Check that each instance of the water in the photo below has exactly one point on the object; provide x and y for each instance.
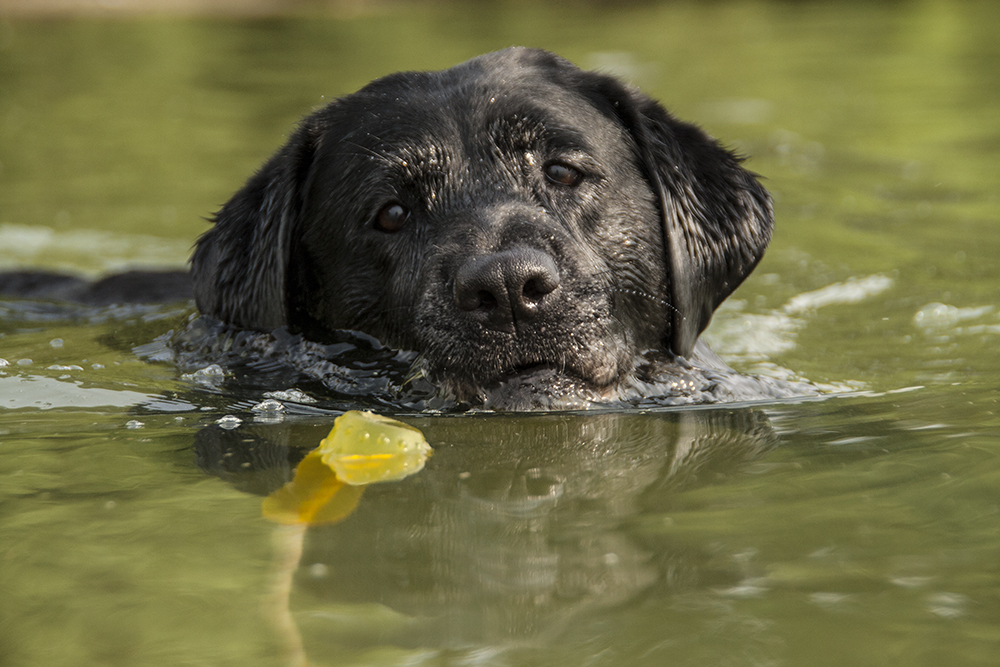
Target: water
(862, 529)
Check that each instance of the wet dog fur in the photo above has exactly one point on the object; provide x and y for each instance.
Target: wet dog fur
(514, 219)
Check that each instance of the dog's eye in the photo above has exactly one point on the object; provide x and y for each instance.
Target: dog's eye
(392, 217)
(563, 174)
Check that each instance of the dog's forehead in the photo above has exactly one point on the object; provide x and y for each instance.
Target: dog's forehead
(472, 104)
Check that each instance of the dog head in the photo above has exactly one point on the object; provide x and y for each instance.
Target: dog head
(510, 216)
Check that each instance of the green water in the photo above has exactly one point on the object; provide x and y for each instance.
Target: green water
(859, 530)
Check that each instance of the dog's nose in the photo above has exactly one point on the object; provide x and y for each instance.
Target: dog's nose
(506, 286)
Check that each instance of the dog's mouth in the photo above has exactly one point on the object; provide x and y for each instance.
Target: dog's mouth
(530, 386)
(577, 354)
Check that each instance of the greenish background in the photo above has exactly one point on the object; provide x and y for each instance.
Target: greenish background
(859, 530)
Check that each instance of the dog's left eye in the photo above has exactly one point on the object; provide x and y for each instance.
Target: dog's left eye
(392, 217)
(563, 174)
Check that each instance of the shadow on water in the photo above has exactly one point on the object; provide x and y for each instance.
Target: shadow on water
(516, 527)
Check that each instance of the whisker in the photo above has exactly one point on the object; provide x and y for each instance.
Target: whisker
(645, 295)
(610, 284)
(381, 155)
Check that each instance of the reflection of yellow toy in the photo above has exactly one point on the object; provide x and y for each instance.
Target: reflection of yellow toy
(362, 448)
(315, 495)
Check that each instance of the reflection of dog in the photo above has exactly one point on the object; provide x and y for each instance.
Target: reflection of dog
(515, 528)
(512, 217)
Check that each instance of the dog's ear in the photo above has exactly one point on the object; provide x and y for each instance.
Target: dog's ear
(239, 266)
(717, 219)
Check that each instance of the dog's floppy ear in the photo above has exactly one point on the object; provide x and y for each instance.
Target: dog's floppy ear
(717, 219)
(239, 266)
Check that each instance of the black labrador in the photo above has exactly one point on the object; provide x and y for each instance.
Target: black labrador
(513, 219)
(539, 235)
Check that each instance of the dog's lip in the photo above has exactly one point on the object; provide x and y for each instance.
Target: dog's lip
(526, 371)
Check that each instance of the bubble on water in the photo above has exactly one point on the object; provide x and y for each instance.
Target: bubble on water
(58, 367)
(4, 362)
(134, 424)
(229, 422)
(56, 342)
(269, 411)
(270, 405)
(24, 362)
(292, 395)
(97, 367)
(210, 375)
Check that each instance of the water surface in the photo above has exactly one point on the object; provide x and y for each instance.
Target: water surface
(861, 529)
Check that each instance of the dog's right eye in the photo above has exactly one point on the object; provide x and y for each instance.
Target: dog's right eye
(392, 217)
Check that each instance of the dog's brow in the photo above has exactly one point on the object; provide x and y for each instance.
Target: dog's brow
(567, 139)
(419, 154)
(540, 128)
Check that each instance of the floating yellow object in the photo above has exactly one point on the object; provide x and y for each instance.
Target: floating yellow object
(364, 448)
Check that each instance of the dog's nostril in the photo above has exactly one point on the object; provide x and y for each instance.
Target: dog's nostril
(537, 287)
(486, 300)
